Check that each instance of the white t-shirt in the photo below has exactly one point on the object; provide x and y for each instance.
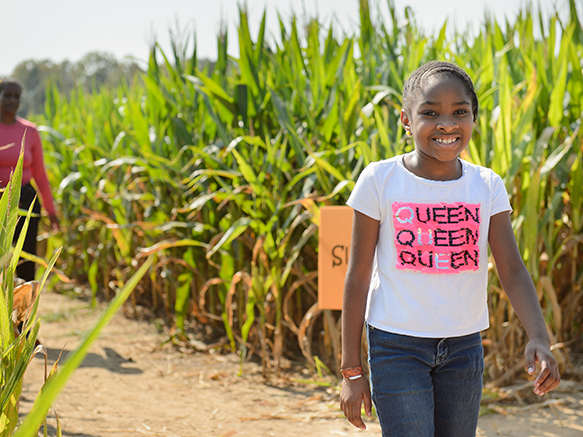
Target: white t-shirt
(431, 265)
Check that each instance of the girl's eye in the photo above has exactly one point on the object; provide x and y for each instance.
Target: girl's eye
(462, 111)
(429, 113)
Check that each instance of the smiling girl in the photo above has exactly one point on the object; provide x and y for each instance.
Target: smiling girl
(418, 272)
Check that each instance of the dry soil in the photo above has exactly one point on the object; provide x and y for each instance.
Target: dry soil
(132, 383)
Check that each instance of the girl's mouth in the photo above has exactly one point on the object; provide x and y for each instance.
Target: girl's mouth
(446, 141)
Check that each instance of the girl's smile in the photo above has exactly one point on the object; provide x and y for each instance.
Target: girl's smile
(447, 143)
(440, 119)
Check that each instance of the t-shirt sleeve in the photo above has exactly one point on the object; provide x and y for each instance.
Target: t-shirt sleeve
(365, 195)
(500, 202)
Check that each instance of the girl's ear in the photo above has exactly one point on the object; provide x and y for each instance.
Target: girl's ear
(405, 120)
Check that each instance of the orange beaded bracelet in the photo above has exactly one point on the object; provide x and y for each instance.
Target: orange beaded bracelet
(352, 373)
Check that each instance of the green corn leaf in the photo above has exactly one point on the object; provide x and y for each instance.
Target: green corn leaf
(233, 232)
(556, 155)
(556, 107)
(306, 235)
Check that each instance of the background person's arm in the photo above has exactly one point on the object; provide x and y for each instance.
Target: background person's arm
(41, 180)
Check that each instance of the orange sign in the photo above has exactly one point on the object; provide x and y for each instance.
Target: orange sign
(334, 248)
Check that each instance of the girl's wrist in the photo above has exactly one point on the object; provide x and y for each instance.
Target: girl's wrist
(352, 373)
(540, 338)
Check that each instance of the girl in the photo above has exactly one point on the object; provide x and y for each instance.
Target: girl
(418, 272)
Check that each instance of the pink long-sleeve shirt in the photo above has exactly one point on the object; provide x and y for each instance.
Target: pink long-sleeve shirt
(34, 167)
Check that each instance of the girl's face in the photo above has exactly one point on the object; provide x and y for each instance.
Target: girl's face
(440, 118)
(10, 99)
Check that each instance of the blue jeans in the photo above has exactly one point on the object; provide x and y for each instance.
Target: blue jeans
(426, 387)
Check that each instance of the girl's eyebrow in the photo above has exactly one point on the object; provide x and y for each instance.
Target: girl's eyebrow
(463, 102)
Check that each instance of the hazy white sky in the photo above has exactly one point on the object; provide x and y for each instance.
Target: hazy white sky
(68, 29)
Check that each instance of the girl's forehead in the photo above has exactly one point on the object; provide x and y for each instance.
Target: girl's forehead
(441, 85)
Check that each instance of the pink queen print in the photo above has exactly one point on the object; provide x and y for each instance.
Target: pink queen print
(437, 238)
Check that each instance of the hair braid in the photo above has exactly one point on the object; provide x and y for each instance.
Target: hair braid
(419, 76)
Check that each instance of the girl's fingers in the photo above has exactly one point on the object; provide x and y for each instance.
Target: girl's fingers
(354, 415)
(352, 412)
(548, 378)
(357, 420)
(529, 354)
(368, 406)
(549, 384)
(542, 376)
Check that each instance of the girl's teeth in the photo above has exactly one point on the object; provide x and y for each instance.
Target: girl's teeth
(439, 140)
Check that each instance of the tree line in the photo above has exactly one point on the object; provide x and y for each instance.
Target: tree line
(92, 72)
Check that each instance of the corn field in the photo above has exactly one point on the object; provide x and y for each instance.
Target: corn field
(219, 170)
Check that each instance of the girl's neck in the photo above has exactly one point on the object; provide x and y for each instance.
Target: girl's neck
(432, 169)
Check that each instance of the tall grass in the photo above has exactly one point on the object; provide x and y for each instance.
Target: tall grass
(220, 170)
(17, 346)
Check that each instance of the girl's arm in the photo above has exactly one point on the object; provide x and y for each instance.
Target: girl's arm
(520, 290)
(365, 231)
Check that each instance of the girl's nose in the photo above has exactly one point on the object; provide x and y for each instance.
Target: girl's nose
(447, 125)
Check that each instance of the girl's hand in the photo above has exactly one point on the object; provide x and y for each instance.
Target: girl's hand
(353, 394)
(548, 378)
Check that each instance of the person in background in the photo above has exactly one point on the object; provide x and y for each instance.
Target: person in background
(12, 131)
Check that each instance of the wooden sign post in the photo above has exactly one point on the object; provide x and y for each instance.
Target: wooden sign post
(334, 247)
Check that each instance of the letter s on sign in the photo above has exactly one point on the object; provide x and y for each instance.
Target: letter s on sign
(337, 257)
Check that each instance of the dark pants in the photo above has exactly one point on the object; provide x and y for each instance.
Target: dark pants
(426, 387)
(25, 269)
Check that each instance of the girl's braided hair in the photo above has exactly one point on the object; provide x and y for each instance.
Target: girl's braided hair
(419, 76)
(9, 81)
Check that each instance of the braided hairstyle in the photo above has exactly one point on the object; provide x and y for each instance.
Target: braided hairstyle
(420, 76)
(9, 81)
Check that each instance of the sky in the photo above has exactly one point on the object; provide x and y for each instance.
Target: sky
(68, 29)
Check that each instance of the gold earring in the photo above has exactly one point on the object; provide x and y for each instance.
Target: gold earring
(408, 132)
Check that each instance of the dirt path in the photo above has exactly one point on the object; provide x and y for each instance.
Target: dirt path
(131, 384)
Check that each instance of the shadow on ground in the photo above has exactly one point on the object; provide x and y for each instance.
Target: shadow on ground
(112, 361)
